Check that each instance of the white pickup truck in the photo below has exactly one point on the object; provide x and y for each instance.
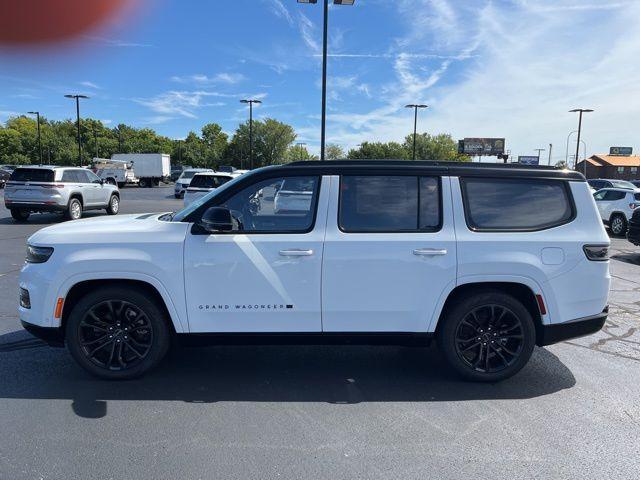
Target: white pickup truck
(115, 172)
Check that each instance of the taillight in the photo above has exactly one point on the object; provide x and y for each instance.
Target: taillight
(596, 253)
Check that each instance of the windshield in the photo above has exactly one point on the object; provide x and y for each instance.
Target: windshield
(185, 212)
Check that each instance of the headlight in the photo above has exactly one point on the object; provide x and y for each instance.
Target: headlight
(38, 254)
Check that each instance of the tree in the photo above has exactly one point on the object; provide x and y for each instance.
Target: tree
(334, 152)
(271, 140)
(379, 151)
(297, 153)
(434, 147)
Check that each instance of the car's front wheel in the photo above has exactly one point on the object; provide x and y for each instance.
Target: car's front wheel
(117, 333)
(114, 205)
(488, 336)
(19, 214)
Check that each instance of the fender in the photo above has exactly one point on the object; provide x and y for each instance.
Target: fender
(465, 280)
(180, 324)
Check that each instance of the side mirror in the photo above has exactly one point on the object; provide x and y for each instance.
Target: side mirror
(216, 219)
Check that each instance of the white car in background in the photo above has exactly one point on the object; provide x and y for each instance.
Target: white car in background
(616, 207)
(293, 195)
(203, 183)
(185, 179)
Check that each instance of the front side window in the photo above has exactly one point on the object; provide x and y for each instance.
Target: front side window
(284, 204)
(515, 204)
(389, 204)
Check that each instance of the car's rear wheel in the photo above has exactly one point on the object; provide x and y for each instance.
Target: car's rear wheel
(487, 337)
(20, 215)
(117, 333)
(74, 210)
(618, 224)
(114, 205)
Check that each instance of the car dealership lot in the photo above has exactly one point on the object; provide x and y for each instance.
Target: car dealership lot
(292, 412)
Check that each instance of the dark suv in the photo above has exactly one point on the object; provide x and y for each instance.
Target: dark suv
(633, 231)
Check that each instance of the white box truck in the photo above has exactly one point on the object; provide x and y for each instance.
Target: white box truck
(148, 168)
(115, 172)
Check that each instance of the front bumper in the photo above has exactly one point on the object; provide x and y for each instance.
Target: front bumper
(53, 336)
(579, 327)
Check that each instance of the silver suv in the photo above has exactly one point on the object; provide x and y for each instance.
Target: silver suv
(58, 189)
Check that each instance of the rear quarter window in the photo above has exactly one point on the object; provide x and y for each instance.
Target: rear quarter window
(493, 204)
(32, 175)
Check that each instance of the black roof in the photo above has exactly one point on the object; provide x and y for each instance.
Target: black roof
(467, 169)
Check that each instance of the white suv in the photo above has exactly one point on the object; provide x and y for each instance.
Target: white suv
(488, 260)
(616, 206)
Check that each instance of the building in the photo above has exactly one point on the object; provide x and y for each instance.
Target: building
(623, 167)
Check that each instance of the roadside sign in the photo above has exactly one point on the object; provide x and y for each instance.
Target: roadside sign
(625, 151)
(528, 160)
(481, 146)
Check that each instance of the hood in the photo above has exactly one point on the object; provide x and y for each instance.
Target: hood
(99, 230)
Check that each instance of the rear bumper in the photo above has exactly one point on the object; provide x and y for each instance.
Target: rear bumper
(35, 207)
(579, 327)
(51, 335)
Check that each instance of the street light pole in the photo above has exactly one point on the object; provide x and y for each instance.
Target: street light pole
(37, 114)
(566, 154)
(581, 111)
(539, 150)
(77, 98)
(325, 37)
(251, 102)
(415, 123)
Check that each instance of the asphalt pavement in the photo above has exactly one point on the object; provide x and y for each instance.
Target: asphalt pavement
(318, 412)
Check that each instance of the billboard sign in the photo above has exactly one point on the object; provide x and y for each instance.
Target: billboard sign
(481, 146)
(526, 160)
(626, 151)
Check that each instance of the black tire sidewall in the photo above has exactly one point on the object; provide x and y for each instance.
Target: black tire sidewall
(161, 332)
(19, 215)
(447, 331)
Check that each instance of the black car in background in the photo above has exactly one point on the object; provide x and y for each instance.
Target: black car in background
(4, 176)
(633, 230)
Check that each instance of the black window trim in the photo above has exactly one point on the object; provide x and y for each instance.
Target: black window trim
(195, 216)
(475, 228)
(417, 176)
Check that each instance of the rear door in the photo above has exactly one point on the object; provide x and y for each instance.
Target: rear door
(390, 253)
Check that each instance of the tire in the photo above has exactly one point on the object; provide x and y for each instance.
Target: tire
(20, 215)
(144, 183)
(618, 224)
(74, 210)
(467, 334)
(155, 183)
(114, 205)
(137, 330)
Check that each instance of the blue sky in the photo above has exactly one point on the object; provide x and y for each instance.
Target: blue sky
(487, 68)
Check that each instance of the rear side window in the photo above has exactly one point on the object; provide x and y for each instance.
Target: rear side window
(613, 195)
(516, 204)
(389, 204)
(209, 181)
(32, 175)
(71, 176)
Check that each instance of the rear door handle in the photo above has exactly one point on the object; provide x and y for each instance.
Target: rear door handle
(430, 252)
(296, 253)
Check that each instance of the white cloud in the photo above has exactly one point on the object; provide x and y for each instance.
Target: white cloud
(201, 79)
(278, 8)
(89, 85)
(114, 42)
(178, 103)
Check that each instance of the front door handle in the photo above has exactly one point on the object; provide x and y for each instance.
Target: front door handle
(296, 253)
(430, 252)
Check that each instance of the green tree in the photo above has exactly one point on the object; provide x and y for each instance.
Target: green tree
(296, 153)
(434, 147)
(379, 151)
(334, 152)
(271, 141)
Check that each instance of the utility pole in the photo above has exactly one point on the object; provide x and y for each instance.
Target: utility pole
(77, 98)
(251, 102)
(37, 114)
(539, 150)
(415, 123)
(581, 111)
(550, 148)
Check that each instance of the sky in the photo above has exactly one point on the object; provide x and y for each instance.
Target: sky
(500, 68)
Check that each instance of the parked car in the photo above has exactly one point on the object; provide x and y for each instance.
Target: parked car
(616, 206)
(636, 183)
(633, 231)
(176, 171)
(294, 195)
(11, 168)
(203, 183)
(386, 252)
(4, 176)
(600, 183)
(185, 179)
(57, 189)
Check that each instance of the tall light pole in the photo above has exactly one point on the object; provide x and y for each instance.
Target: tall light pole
(581, 111)
(37, 114)
(300, 146)
(539, 150)
(78, 97)
(250, 102)
(566, 154)
(324, 66)
(415, 123)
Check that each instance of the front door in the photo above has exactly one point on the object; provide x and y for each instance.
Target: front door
(264, 276)
(390, 255)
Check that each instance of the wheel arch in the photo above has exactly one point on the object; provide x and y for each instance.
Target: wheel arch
(520, 291)
(79, 288)
(78, 196)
